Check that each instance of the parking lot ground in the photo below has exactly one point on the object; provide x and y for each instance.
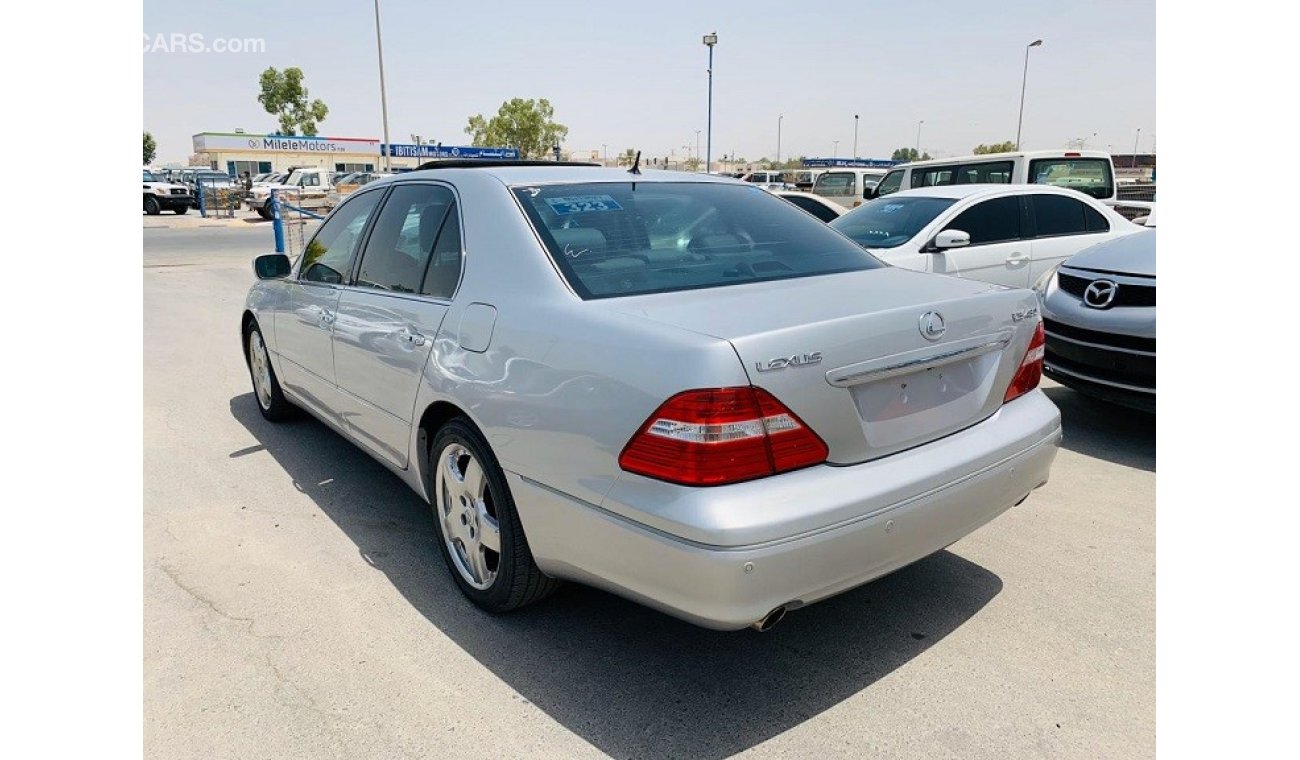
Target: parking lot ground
(296, 604)
(192, 220)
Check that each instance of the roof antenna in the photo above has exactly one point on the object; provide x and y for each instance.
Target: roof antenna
(636, 165)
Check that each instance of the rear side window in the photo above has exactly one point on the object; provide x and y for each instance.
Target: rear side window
(993, 221)
(1094, 221)
(997, 172)
(1057, 215)
(328, 255)
(401, 246)
(931, 176)
(630, 238)
(444, 270)
(1090, 176)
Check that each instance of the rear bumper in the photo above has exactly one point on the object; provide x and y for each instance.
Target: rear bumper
(731, 586)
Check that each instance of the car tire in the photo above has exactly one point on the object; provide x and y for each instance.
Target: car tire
(264, 212)
(151, 206)
(180, 210)
(266, 387)
(473, 509)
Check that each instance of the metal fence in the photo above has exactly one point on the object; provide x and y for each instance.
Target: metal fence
(218, 198)
(293, 225)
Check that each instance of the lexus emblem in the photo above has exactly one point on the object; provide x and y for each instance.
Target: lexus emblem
(1100, 294)
(932, 326)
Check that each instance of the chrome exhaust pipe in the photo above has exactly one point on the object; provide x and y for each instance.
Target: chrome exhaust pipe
(769, 620)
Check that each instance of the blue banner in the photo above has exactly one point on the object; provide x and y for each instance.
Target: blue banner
(856, 163)
(448, 151)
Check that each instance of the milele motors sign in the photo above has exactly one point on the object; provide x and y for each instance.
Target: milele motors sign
(234, 142)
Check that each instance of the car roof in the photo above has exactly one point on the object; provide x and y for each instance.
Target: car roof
(553, 173)
(961, 192)
(975, 157)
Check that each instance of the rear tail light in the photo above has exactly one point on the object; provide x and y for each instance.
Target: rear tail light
(1031, 367)
(715, 436)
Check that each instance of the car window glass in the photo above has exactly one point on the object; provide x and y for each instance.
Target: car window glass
(833, 184)
(890, 222)
(997, 172)
(992, 221)
(327, 256)
(444, 270)
(892, 183)
(1057, 215)
(932, 176)
(399, 249)
(626, 238)
(813, 207)
(1090, 176)
(1093, 221)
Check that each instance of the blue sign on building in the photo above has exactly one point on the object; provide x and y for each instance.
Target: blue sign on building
(856, 163)
(448, 151)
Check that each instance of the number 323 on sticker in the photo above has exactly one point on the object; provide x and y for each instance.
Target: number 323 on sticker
(578, 204)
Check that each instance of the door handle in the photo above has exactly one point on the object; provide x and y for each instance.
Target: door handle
(1018, 258)
(414, 337)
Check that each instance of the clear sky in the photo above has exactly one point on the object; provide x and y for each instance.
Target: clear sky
(633, 74)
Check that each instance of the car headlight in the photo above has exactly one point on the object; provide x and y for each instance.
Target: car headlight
(1045, 280)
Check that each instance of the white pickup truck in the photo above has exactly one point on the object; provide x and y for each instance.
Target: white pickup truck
(304, 187)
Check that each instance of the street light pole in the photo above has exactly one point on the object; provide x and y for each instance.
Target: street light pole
(918, 139)
(604, 152)
(778, 139)
(1023, 81)
(709, 40)
(383, 94)
(1135, 147)
(855, 137)
(836, 152)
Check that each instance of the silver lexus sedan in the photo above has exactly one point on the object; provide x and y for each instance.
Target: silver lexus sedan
(675, 387)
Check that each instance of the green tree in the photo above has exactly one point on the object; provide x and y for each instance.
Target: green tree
(627, 157)
(909, 154)
(284, 97)
(150, 148)
(1002, 147)
(527, 125)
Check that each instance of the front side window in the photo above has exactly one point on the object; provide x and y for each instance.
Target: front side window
(631, 238)
(994, 221)
(328, 255)
(401, 246)
(834, 184)
(890, 222)
(148, 177)
(892, 183)
(1090, 176)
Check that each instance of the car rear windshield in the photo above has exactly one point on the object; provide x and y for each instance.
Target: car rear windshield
(890, 222)
(1091, 176)
(632, 238)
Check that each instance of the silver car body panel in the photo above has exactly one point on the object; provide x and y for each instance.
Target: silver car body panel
(558, 386)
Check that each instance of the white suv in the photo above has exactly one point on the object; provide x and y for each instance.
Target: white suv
(160, 195)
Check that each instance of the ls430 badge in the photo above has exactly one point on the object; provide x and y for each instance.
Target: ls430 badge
(781, 362)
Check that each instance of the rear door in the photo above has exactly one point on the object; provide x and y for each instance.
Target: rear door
(305, 327)
(390, 314)
(997, 253)
(1062, 226)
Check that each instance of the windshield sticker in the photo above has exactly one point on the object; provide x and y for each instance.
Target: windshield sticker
(891, 208)
(579, 204)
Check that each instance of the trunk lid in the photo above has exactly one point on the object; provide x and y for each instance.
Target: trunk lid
(846, 352)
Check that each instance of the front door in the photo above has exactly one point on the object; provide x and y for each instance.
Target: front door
(389, 316)
(304, 330)
(997, 253)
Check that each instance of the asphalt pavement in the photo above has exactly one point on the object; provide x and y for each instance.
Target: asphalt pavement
(296, 604)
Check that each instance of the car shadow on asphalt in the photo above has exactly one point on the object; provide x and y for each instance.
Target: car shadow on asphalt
(1105, 431)
(629, 680)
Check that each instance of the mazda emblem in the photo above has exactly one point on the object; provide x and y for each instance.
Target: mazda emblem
(1100, 294)
(932, 326)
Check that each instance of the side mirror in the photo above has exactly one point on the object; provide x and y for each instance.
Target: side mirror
(951, 239)
(272, 266)
(870, 193)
